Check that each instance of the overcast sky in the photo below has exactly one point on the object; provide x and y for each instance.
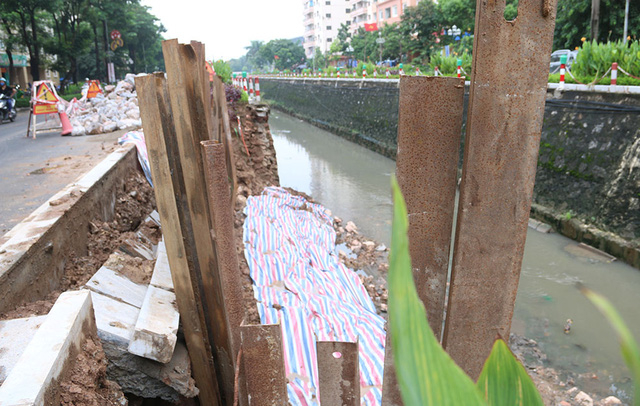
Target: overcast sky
(227, 26)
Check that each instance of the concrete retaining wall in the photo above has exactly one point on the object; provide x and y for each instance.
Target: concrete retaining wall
(34, 253)
(589, 163)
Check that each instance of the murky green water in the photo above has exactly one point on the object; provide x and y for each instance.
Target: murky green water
(354, 183)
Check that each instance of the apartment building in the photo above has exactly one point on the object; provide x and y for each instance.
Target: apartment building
(322, 20)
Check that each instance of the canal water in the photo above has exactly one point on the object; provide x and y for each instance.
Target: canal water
(354, 183)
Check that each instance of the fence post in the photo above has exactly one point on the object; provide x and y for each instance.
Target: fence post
(614, 74)
(563, 65)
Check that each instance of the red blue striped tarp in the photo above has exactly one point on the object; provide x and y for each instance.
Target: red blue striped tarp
(300, 283)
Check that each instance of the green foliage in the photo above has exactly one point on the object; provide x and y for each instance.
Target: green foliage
(223, 70)
(574, 17)
(628, 345)
(426, 373)
(594, 59)
(504, 381)
(244, 98)
(421, 24)
(461, 13)
(449, 64)
(281, 54)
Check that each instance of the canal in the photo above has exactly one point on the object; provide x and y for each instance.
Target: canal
(354, 183)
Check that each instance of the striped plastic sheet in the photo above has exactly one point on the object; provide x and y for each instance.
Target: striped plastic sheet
(299, 282)
(137, 138)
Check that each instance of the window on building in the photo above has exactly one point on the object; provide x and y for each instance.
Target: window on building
(328, 15)
(394, 11)
(381, 15)
(328, 39)
(328, 28)
(328, 3)
(404, 7)
(387, 12)
(347, 10)
(348, 22)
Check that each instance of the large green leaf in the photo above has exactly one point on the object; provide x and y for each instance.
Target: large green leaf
(505, 382)
(628, 345)
(426, 373)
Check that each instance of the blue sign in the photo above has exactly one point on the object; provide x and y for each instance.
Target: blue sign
(447, 51)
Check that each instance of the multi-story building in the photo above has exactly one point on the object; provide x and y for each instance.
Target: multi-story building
(390, 11)
(322, 19)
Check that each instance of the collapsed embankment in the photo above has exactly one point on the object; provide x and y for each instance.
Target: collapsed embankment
(588, 171)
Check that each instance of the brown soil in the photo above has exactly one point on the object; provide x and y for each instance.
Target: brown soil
(133, 203)
(138, 270)
(86, 383)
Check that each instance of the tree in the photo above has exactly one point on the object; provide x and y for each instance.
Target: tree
(253, 58)
(461, 13)
(284, 53)
(30, 17)
(574, 18)
(419, 27)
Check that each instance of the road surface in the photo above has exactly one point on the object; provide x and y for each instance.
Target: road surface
(31, 171)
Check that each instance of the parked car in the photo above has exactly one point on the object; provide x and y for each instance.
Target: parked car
(554, 65)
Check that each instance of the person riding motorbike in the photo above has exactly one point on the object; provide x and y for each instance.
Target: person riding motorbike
(7, 91)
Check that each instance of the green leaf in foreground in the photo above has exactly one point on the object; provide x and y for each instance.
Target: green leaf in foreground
(628, 345)
(426, 373)
(505, 382)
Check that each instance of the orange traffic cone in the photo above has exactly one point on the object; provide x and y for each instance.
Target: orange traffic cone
(66, 125)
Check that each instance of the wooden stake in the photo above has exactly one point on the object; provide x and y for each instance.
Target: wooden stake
(165, 169)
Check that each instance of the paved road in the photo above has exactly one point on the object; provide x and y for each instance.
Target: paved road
(31, 171)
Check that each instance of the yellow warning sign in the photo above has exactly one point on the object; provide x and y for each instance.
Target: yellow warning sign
(94, 89)
(46, 100)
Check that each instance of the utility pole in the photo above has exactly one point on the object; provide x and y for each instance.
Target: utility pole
(626, 22)
(595, 18)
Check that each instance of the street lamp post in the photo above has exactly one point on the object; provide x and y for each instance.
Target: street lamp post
(349, 51)
(380, 41)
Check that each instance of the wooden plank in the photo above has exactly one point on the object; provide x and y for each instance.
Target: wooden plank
(338, 373)
(184, 83)
(500, 160)
(157, 118)
(391, 395)
(263, 361)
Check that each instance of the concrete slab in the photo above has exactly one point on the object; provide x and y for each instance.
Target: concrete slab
(115, 320)
(15, 335)
(46, 357)
(137, 249)
(117, 286)
(156, 329)
(161, 277)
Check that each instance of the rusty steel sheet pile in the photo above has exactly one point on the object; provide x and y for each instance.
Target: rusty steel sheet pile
(499, 167)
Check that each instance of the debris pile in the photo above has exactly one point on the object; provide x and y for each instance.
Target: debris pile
(116, 109)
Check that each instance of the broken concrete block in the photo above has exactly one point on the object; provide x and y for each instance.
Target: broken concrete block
(149, 379)
(117, 286)
(155, 332)
(137, 249)
(161, 277)
(15, 335)
(115, 320)
(32, 380)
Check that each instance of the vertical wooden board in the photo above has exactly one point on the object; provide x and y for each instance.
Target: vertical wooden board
(158, 124)
(338, 373)
(263, 362)
(203, 79)
(500, 159)
(429, 131)
(183, 73)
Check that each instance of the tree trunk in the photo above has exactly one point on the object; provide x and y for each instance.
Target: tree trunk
(106, 48)
(12, 70)
(595, 18)
(35, 53)
(96, 49)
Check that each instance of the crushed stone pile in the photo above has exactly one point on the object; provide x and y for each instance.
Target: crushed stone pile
(116, 109)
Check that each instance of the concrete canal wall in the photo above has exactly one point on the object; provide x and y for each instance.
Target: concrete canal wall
(589, 163)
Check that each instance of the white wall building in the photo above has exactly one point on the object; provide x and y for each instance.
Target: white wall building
(322, 20)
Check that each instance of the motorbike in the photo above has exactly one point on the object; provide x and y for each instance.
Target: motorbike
(5, 113)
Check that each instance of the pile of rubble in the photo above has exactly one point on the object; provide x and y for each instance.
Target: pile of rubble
(116, 109)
